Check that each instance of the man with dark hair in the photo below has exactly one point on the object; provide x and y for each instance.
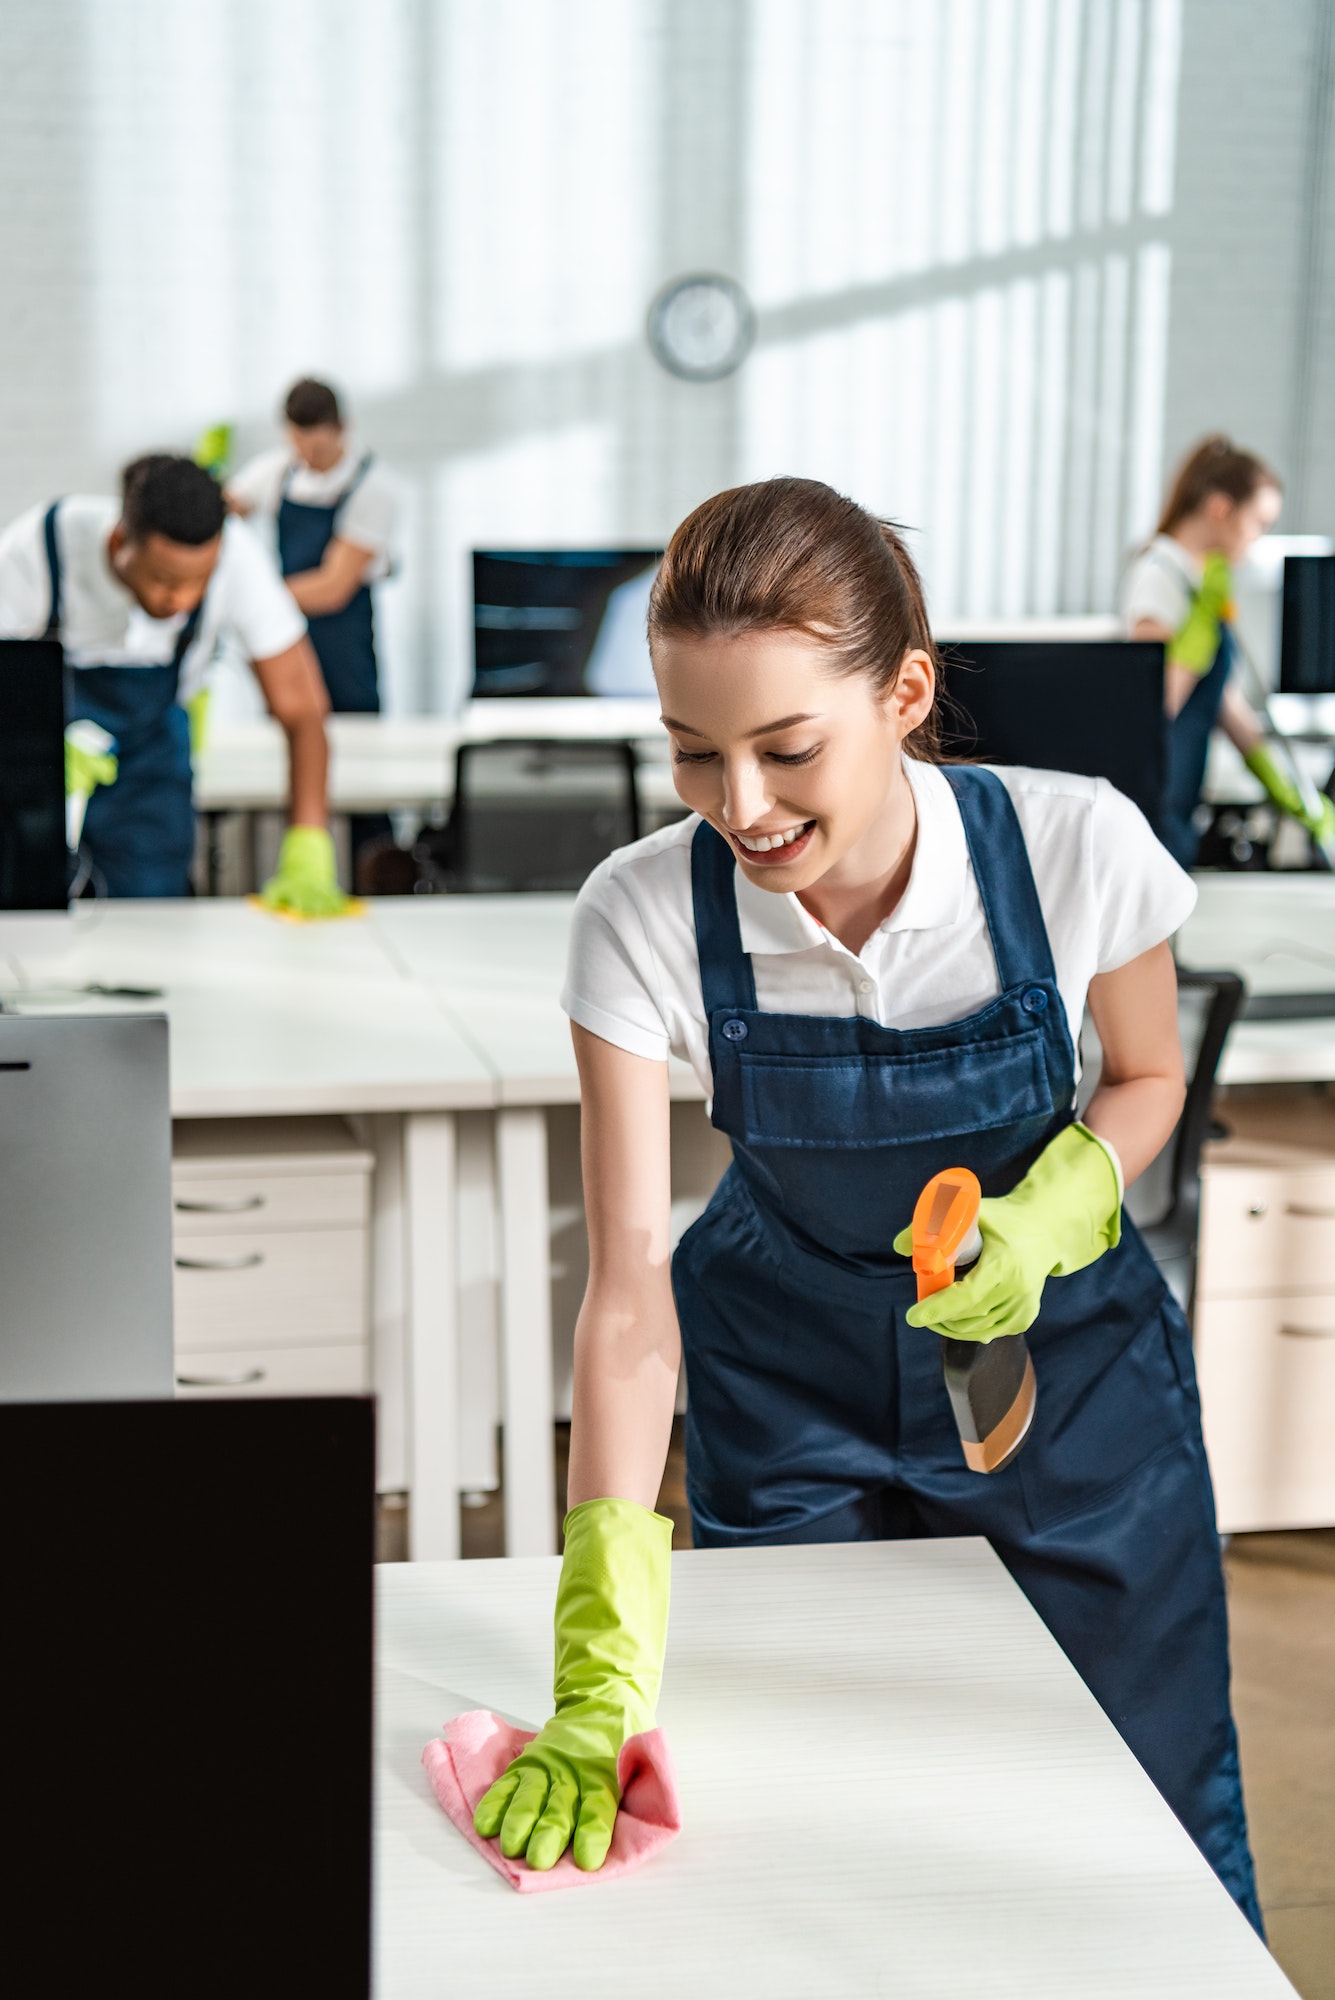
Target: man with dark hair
(332, 515)
(139, 591)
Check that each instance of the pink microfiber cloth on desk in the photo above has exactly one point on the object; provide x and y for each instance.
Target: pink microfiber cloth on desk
(478, 1746)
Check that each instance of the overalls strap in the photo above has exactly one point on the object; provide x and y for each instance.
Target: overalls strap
(337, 506)
(1005, 879)
(726, 977)
(53, 569)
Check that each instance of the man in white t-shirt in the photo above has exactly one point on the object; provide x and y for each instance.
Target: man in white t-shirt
(332, 514)
(138, 591)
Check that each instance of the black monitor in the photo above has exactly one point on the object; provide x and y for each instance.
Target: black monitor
(561, 621)
(33, 867)
(1092, 706)
(1307, 630)
(186, 1675)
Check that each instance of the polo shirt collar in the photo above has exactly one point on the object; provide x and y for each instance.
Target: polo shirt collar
(933, 900)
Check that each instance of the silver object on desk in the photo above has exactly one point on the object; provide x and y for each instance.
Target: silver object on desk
(85, 1208)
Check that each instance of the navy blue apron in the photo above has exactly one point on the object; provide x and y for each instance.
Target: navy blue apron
(344, 641)
(1189, 735)
(816, 1414)
(140, 831)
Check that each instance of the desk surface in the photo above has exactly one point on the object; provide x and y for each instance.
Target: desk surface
(497, 964)
(268, 1017)
(1278, 932)
(1008, 1844)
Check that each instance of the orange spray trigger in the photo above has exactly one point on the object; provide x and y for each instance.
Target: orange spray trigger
(945, 1224)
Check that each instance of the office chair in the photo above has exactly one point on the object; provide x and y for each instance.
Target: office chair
(1170, 1226)
(530, 814)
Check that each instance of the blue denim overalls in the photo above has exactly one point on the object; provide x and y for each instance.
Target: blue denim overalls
(1188, 750)
(140, 832)
(816, 1414)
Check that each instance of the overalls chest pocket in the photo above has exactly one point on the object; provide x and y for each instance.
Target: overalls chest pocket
(862, 1101)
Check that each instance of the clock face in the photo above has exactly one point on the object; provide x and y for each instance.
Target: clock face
(701, 327)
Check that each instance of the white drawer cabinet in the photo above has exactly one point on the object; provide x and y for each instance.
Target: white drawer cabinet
(1265, 1313)
(271, 1251)
(1266, 1369)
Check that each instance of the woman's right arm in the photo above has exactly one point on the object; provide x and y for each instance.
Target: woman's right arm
(627, 1343)
(1177, 681)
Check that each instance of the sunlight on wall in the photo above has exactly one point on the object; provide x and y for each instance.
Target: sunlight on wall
(251, 207)
(973, 195)
(952, 215)
(544, 149)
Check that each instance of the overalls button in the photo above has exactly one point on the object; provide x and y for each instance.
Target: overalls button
(1035, 1000)
(735, 1030)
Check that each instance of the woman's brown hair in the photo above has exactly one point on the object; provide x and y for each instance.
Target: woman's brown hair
(1215, 465)
(792, 555)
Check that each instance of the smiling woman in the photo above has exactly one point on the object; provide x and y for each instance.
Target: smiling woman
(878, 968)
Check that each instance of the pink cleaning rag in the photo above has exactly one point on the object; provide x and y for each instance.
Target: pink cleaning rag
(478, 1746)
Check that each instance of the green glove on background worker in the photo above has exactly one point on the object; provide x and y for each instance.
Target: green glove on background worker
(1196, 642)
(1318, 818)
(611, 1632)
(306, 882)
(89, 761)
(1063, 1215)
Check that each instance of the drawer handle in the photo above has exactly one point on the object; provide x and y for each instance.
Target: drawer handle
(1309, 1214)
(238, 1381)
(246, 1263)
(241, 1206)
(1308, 1332)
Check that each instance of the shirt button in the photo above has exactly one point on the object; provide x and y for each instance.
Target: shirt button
(865, 986)
(1035, 1000)
(735, 1030)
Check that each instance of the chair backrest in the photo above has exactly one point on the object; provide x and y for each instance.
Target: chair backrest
(539, 813)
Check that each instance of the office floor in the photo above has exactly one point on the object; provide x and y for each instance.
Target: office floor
(1282, 1608)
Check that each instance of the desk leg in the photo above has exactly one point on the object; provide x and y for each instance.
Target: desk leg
(433, 1341)
(526, 1333)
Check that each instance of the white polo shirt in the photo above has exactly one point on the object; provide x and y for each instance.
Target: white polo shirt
(1160, 584)
(1108, 891)
(368, 516)
(102, 624)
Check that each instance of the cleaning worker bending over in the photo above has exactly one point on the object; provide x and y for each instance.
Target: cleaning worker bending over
(877, 967)
(1179, 590)
(139, 591)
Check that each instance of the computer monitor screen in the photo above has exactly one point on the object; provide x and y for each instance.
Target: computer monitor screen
(562, 621)
(33, 870)
(1095, 707)
(1307, 629)
(187, 1674)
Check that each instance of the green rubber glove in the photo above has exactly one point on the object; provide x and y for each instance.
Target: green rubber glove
(1063, 1215)
(88, 760)
(213, 449)
(1196, 642)
(197, 714)
(1281, 788)
(611, 1630)
(306, 882)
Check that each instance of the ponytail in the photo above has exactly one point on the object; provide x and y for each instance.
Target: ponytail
(1215, 465)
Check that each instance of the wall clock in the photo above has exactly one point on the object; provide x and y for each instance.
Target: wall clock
(701, 327)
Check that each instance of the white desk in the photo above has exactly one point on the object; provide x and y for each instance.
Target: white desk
(1007, 1843)
(1278, 932)
(271, 1018)
(380, 762)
